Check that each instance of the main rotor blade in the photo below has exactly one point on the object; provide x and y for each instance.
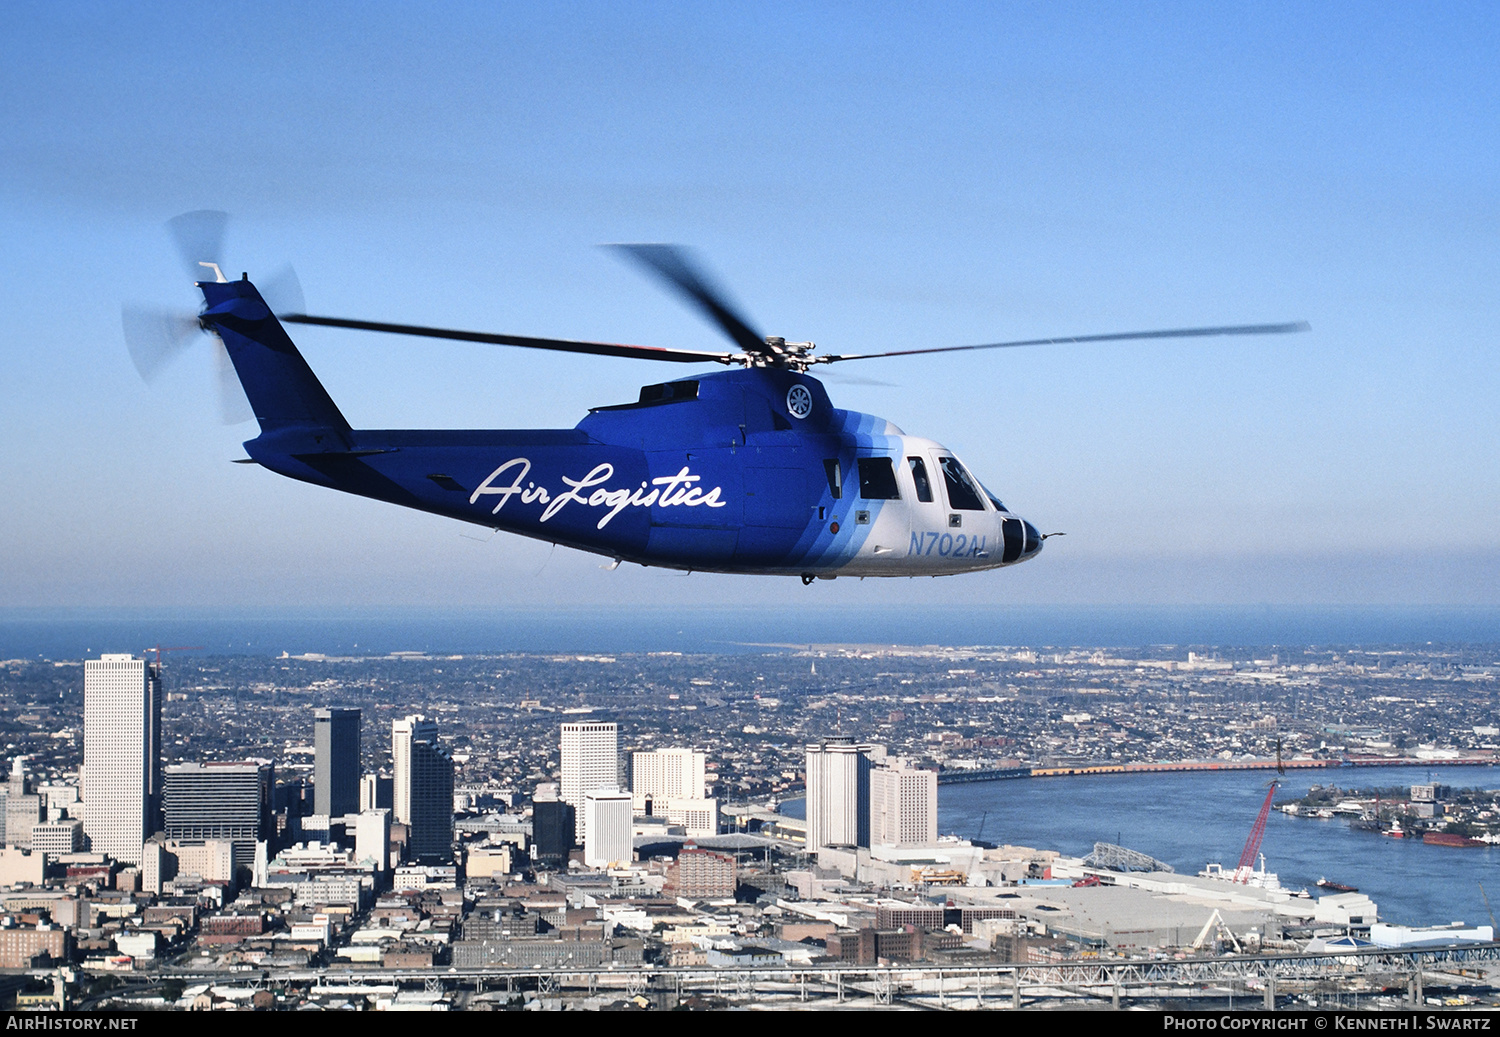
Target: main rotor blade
(199, 237)
(562, 345)
(674, 265)
(282, 291)
(1233, 329)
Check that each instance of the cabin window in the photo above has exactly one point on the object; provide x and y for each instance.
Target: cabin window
(962, 496)
(835, 477)
(877, 479)
(919, 476)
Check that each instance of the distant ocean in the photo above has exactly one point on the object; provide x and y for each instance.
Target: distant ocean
(75, 633)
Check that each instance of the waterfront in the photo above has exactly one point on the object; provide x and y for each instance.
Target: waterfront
(1188, 820)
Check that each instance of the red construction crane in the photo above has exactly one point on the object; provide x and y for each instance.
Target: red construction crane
(1252, 845)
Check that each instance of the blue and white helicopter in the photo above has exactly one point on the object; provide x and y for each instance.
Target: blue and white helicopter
(750, 470)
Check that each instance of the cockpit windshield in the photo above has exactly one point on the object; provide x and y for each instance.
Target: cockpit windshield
(999, 506)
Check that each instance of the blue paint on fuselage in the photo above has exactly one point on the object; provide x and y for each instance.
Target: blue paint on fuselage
(722, 472)
(738, 479)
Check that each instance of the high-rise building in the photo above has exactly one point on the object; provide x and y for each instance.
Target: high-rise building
(903, 806)
(336, 769)
(415, 728)
(700, 874)
(670, 784)
(23, 806)
(431, 824)
(590, 760)
(838, 793)
(607, 822)
(552, 827)
(121, 754)
(375, 792)
(372, 838)
(666, 774)
(423, 788)
(223, 802)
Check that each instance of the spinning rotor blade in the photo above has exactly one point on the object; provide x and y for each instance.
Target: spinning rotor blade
(199, 237)
(562, 345)
(1234, 329)
(234, 407)
(282, 292)
(155, 337)
(673, 265)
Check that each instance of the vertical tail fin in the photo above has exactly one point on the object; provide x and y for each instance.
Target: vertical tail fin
(285, 395)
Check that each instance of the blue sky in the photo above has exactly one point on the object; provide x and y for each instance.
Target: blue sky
(869, 177)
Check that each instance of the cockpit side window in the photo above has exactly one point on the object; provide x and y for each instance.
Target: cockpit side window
(919, 476)
(962, 496)
(877, 479)
(835, 477)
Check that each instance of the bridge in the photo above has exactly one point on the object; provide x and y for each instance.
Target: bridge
(1260, 981)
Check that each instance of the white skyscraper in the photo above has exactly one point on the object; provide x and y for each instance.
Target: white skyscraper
(607, 815)
(590, 760)
(666, 774)
(415, 728)
(903, 806)
(121, 754)
(838, 793)
(670, 784)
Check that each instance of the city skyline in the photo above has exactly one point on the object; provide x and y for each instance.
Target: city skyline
(985, 175)
(1160, 732)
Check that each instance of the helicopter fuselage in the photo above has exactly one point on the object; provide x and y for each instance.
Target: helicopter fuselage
(750, 470)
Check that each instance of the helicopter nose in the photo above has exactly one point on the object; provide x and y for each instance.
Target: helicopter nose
(1033, 541)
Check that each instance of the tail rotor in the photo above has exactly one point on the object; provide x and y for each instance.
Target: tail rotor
(156, 335)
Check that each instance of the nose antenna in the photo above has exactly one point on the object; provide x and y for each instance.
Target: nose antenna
(1046, 535)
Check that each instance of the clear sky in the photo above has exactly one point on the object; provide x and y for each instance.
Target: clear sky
(869, 177)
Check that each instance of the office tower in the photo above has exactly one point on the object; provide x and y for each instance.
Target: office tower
(838, 793)
(336, 772)
(590, 760)
(666, 774)
(415, 728)
(372, 838)
(423, 788)
(23, 807)
(903, 806)
(552, 826)
(121, 754)
(607, 817)
(220, 802)
(669, 783)
(375, 792)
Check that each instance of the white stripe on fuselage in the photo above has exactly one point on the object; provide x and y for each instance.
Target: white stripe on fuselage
(917, 538)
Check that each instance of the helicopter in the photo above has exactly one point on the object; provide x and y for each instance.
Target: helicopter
(751, 470)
